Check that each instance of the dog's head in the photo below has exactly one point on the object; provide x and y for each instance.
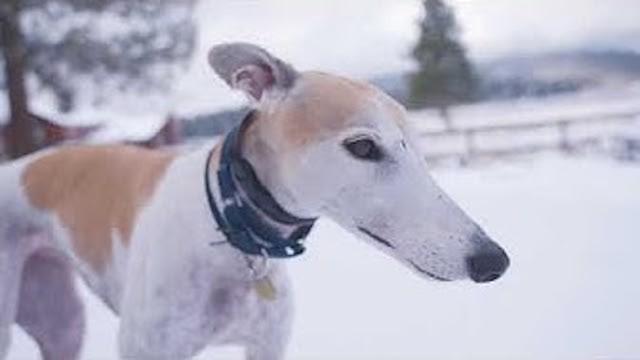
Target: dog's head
(327, 145)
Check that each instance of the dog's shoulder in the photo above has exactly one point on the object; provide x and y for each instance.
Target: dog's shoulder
(95, 191)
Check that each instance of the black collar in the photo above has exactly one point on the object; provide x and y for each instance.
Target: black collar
(247, 216)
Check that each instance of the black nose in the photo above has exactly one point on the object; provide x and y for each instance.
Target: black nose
(488, 263)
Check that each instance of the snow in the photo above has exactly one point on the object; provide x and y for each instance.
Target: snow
(602, 114)
(599, 102)
(571, 228)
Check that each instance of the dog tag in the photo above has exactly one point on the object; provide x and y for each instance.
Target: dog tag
(265, 289)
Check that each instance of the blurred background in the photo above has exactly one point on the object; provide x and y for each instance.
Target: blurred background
(527, 111)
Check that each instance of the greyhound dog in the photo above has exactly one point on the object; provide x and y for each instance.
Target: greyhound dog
(186, 248)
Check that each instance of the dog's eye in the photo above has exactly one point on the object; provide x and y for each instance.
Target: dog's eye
(364, 149)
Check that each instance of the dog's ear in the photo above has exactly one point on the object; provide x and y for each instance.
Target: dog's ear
(251, 69)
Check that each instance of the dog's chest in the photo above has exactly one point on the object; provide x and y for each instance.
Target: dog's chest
(238, 310)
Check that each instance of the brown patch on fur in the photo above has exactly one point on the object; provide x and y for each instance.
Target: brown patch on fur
(95, 190)
(325, 104)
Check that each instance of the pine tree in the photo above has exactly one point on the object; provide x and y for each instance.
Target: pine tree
(445, 75)
(66, 44)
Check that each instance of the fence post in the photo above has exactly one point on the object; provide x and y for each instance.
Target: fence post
(470, 146)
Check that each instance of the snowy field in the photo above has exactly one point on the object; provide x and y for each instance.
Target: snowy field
(572, 229)
(595, 114)
(598, 102)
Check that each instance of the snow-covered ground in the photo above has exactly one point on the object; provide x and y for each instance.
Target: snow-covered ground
(595, 103)
(571, 228)
(602, 114)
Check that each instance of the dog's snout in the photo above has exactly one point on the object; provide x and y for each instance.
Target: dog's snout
(488, 263)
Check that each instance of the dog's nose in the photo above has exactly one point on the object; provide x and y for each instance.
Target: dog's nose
(488, 263)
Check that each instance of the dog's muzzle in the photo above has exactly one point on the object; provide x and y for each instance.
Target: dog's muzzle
(489, 261)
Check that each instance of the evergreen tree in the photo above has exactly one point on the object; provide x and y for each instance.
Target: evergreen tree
(66, 44)
(445, 75)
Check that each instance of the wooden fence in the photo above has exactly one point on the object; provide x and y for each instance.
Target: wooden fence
(465, 144)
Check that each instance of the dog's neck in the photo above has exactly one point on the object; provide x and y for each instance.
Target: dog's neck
(261, 147)
(246, 211)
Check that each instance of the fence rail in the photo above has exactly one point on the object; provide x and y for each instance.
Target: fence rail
(559, 134)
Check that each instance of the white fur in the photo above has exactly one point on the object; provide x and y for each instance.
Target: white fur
(176, 293)
(181, 292)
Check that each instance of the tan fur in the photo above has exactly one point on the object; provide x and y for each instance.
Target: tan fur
(324, 104)
(95, 191)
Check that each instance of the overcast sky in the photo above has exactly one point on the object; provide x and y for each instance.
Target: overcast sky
(364, 35)
(365, 38)
(496, 27)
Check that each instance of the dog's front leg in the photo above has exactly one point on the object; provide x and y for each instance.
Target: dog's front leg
(271, 321)
(155, 342)
(270, 342)
(165, 312)
(271, 346)
(164, 328)
(11, 264)
(274, 350)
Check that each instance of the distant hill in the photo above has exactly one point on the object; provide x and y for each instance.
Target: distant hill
(599, 64)
(542, 75)
(213, 124)
(396, 85)
(555, 73)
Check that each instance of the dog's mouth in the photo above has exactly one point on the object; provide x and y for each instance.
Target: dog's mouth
(428, 273)
(375, 237)
(388, 244)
